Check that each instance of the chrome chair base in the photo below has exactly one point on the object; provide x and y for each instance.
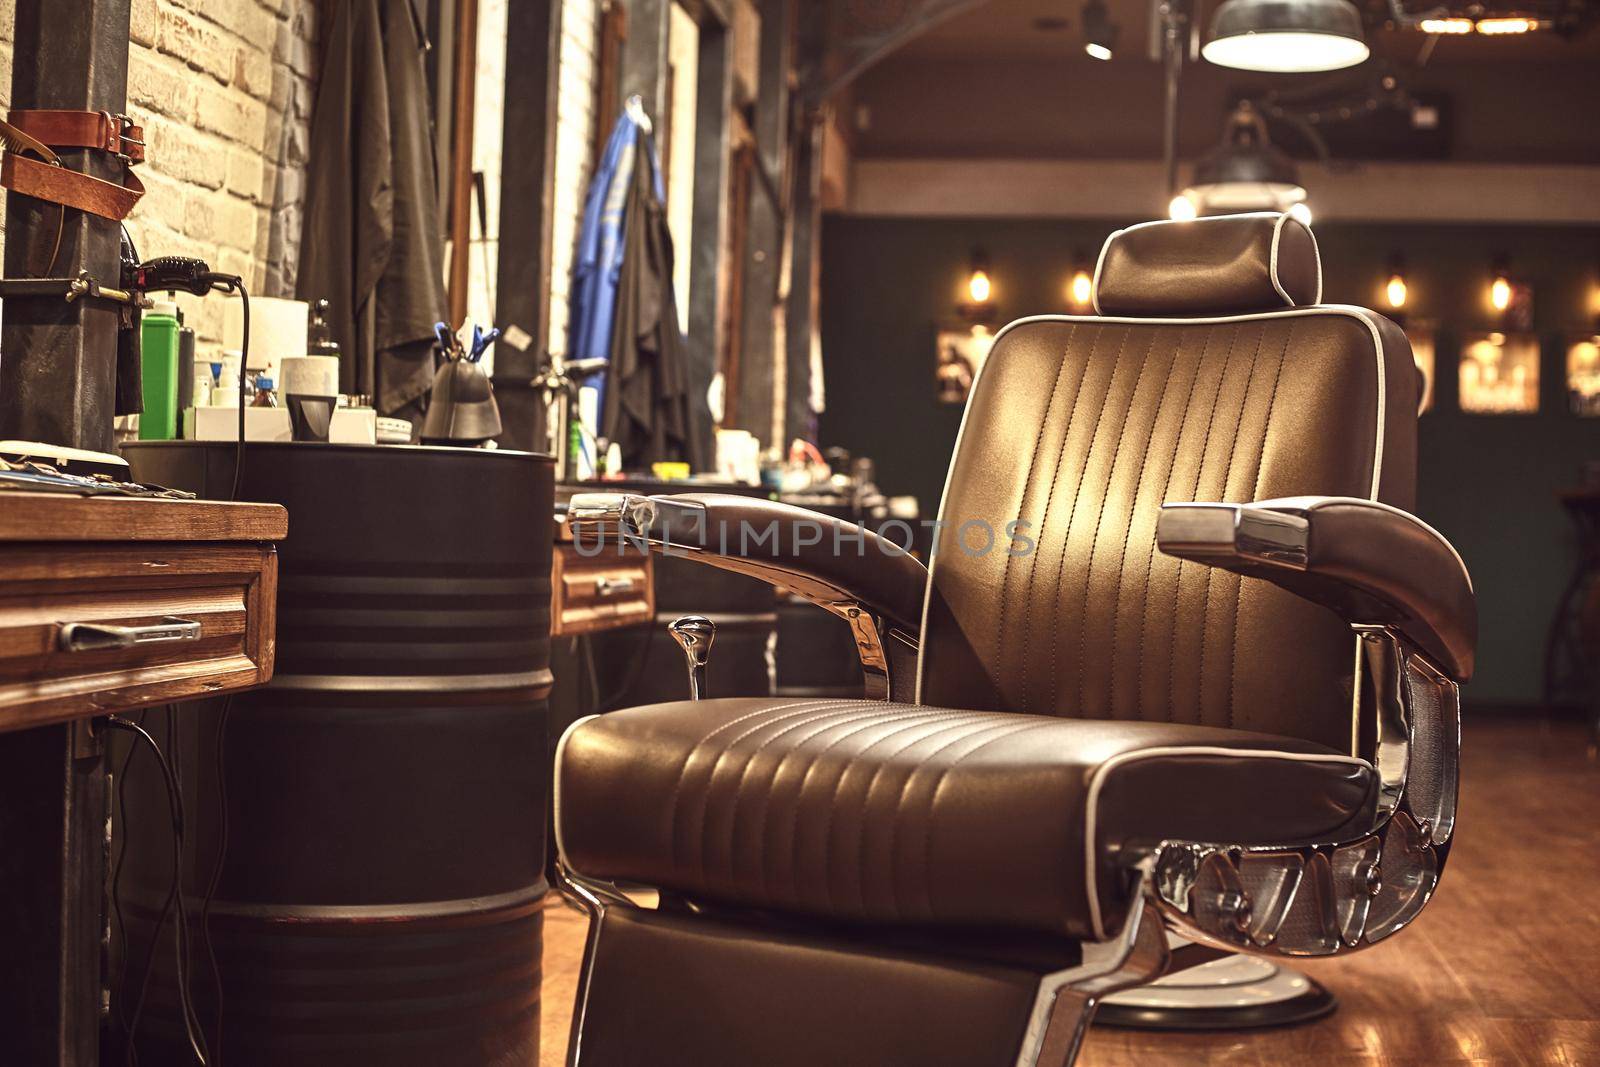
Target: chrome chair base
(1233, 993)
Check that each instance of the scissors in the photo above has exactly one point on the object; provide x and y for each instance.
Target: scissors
(451, 345)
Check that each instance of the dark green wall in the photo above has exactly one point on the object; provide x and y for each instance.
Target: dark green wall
(1487, 482)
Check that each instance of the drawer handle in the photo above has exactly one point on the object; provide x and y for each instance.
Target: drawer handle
(612, 586)
(95, 637)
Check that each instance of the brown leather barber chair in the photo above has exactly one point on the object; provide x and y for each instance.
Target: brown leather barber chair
(1182, 664)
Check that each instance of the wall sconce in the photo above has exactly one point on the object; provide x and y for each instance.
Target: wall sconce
(1511, 300)
(1394, 290)
(979, 306)
(1080, 290)
(1500, 286)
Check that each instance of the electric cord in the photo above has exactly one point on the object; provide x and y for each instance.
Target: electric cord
(216, 876)
(235, 284)
(193, 276)
(121, 782)
(174, 895)
(184, 947)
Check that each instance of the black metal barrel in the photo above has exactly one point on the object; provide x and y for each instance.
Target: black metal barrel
(379, 898)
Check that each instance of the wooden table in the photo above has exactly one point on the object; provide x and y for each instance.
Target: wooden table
(106, 604)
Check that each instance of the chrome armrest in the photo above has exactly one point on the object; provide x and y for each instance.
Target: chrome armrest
(1323, 898)
(1407, 595)
(870, 582)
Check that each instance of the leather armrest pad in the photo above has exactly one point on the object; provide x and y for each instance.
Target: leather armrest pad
(1366, 561)
(816, 554)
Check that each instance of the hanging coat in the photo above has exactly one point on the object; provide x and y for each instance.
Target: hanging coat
(645, 408)
(372, 242)
(598, 258)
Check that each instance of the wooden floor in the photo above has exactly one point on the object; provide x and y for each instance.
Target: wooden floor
(1502, 968)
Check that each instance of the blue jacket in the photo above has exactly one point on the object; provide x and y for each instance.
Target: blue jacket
(597, 264)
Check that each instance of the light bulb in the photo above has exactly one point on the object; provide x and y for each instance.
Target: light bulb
(1451, 26)
(1396, 291)
(1301, 212)
(1500, 293)
(1097, 51)
(1507, 25)
(979, 288)
(1082, 288)
(1181, 208)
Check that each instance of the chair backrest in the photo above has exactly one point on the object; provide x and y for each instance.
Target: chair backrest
(1210, 372)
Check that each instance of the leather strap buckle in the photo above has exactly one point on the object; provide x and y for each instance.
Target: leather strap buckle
(121, 137)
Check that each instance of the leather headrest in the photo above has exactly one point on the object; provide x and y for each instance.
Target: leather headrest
(1220, 265)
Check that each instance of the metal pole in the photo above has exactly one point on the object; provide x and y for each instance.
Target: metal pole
(1172, 20)
(708, 239)
(58, 377)
(527, 189)
(462, 106)
(759, 358)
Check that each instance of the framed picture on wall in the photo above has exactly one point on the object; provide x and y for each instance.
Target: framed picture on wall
(961, 352)
(1499, 373)
(1583, 375)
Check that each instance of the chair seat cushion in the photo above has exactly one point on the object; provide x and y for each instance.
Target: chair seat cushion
(866, 811)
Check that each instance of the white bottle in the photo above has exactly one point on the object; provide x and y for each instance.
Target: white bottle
(226, 394)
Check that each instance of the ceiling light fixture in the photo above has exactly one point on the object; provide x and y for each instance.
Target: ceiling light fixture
(1286, 36)
(1448, 26)
(1497, 26)
(1244, 173)
(1099, 32)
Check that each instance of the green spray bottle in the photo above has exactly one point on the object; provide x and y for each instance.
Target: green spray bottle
(158, 343)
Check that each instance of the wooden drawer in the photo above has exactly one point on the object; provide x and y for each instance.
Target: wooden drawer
(218, 597)
(599, 592)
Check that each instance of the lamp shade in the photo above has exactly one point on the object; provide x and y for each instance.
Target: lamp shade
(1286, 36)
(1245, 172)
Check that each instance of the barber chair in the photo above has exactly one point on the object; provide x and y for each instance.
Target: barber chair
(1179, 682)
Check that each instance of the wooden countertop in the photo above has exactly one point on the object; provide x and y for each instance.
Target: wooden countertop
(62, 517)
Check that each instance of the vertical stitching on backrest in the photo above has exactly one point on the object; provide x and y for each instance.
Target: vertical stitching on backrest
(1022, 507)
(1199, 473)
(1127, 533)
(1072, 517)
(1094, 537)
(1167, 488)
(1227, 473)
(1255, 494)
(1044, 519)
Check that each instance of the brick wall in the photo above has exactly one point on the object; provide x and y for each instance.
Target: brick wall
(224, 89)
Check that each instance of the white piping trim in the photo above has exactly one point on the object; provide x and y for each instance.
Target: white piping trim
(555, 786)
(1272, 260)
(1094, 288)
(1098, 776)
(1279, 217)
(1361, 314)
